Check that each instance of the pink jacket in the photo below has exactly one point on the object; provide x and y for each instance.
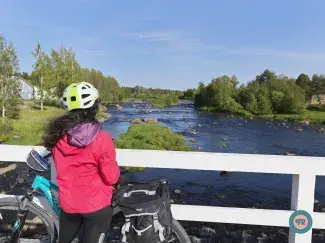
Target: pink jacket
(85, 161)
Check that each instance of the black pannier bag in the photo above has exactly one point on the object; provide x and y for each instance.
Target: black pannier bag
(147, 211)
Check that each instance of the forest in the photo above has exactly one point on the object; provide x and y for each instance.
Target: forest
(268, 93)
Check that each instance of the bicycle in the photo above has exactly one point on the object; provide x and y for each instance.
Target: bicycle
(50, 220)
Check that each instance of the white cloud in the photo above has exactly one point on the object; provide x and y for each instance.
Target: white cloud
(171, 42)
(151, 36)
(275, 52)
(93, 52)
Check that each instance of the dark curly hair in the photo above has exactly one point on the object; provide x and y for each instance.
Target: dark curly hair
(59, 126)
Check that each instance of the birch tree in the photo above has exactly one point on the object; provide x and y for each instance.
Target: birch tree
(9, 65)
(66, 68)
(42, 69)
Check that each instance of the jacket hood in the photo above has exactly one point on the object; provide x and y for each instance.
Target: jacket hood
(78, 137)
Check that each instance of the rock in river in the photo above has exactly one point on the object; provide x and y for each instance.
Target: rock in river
(298, 129)
(144, 120)
(305, 123)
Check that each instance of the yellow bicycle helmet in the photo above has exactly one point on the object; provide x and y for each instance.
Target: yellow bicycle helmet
(79, 96)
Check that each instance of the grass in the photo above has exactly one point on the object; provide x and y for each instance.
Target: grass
(31, 123)
(151, 137)
(30, 126)
(313, 116)
(241, 112)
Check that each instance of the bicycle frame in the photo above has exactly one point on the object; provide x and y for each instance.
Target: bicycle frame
(50, 190)
(47, 187)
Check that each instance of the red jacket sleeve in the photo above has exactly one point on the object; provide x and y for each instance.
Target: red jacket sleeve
(108, 167)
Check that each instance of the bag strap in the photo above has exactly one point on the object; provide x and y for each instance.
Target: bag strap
(158, 227)
(125, 229)
(139, 232)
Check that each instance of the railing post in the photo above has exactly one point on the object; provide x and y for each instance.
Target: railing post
(302, 198)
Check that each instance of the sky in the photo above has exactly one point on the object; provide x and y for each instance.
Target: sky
(173, 44)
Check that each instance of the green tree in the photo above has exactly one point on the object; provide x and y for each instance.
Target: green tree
(108, 86)
(277, 101)
(264, 105)
(294, 98)
(304, 82)
(246, 97)
(265, 77)
(200, 98)
(219, 95)
(9, 65)
(158, 97)
(318, 84)
(66, 69)
(288, 93)
(189, 94)
(42, 72)
(24, 75)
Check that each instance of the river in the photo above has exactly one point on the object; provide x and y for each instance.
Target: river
(228, 135)
(215, 133)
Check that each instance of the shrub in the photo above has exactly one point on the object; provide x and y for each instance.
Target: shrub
(151, 137)
(6, 129)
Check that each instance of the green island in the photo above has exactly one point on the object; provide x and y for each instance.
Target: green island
(150, 137)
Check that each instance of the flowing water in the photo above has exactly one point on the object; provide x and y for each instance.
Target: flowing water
(228, 135)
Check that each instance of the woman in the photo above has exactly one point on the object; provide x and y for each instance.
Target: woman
(86, 166)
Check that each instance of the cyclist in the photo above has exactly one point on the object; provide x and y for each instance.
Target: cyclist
(85, 161)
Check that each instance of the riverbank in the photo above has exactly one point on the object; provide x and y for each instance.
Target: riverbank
(309, 116)
(315, 116)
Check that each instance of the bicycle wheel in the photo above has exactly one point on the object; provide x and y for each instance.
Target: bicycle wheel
(178, 233)
(33, 224)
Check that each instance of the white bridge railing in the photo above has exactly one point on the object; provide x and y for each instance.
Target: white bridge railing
(303, 169)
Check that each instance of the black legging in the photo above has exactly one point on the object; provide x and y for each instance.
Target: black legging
(95, 225)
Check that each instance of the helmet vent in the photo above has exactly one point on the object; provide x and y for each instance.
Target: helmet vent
(83, 87)
(73, 98)
(88, 86)
(65, 99)
(85, 96)
(86, 103)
